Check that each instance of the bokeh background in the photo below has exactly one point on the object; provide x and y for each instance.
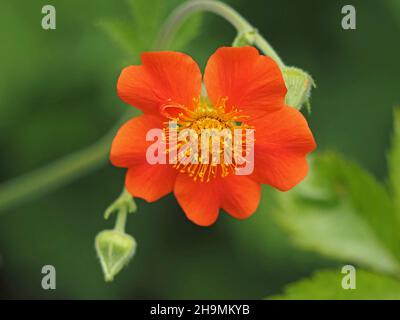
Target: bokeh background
(57, 95)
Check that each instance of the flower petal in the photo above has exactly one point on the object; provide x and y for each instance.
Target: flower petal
(199, 200)
(143, 180)
(150, 182)
(241, 196)
(165, 77)
(251, 82)
(283, 139)
(129, 145)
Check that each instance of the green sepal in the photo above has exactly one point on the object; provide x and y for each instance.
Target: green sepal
(245, 39)
(124, 203)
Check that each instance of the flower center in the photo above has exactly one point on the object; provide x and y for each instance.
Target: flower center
(208, 141)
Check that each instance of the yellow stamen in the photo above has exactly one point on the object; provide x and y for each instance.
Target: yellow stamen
(214, 118)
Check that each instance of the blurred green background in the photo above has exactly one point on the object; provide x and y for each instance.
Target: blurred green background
(57, 95)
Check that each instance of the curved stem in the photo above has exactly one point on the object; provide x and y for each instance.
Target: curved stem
(241, 25)
(58, 173)
(50, 177)
(182, 12)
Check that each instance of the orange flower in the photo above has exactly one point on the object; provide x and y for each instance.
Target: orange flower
(245, 90)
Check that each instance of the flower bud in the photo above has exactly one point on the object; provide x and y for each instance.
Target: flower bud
(299, 84)
(114, 249)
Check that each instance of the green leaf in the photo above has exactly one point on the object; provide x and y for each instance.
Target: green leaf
(394, 162)
(326, 284)
(139, 33)
(187, 32)
(123, 34)
(147, 18)
(342, 212)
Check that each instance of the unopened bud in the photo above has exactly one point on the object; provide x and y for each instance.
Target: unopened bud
(114, 249)
(299, 85)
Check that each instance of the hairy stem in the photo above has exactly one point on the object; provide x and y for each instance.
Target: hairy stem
(181, 13)
(121, 221)
(54, 175)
